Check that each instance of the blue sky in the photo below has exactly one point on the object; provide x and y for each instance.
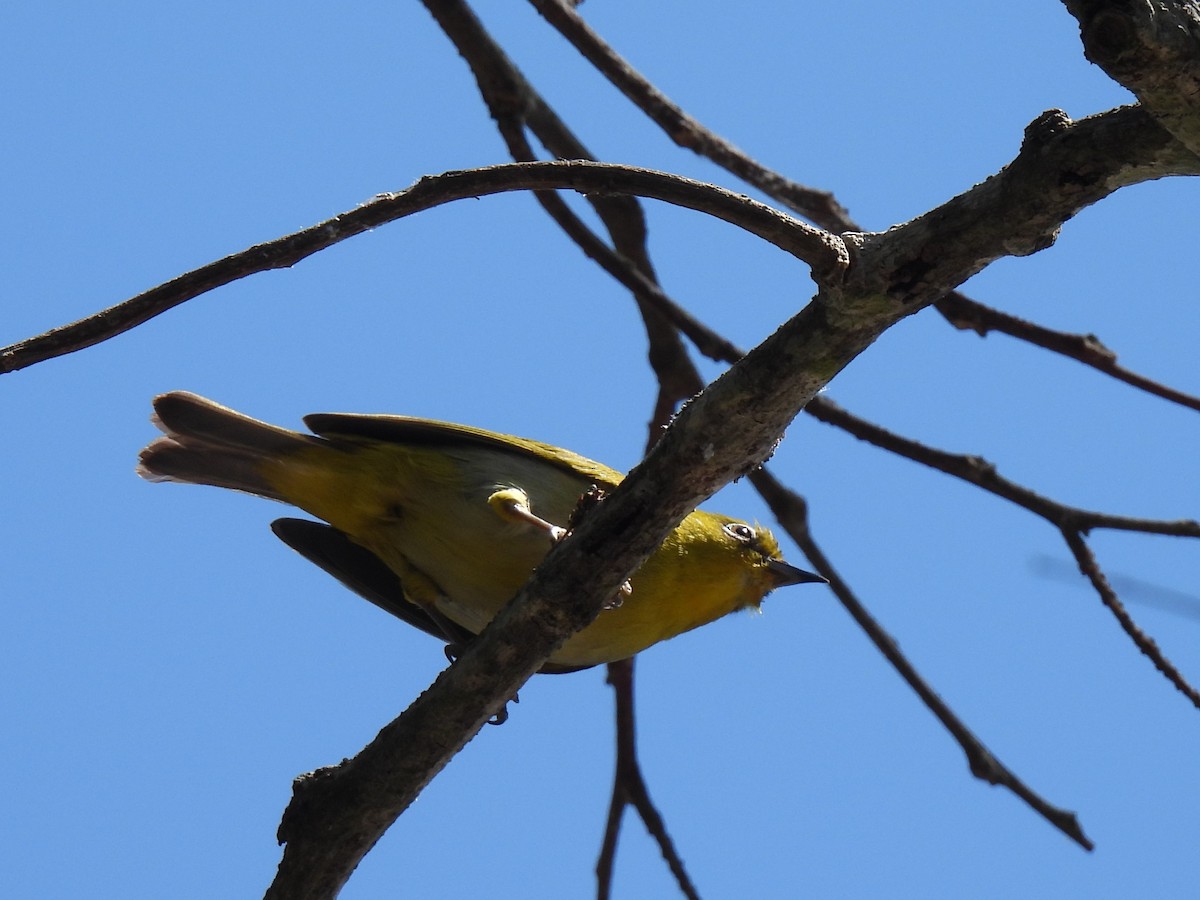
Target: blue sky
(167, 667)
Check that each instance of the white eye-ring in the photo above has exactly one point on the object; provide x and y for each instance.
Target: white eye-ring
(740, 531)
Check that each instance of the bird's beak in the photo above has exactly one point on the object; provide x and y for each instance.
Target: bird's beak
(785, 574)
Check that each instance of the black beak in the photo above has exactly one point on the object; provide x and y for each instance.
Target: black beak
(787, 574)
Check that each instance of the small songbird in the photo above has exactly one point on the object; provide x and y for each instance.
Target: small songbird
(441, 524)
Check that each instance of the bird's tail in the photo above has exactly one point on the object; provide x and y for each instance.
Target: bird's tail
(206, 443)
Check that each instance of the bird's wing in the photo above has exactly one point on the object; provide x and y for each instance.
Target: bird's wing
(414, 431)
(368, 576)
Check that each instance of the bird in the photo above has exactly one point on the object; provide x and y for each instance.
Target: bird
(441, 524)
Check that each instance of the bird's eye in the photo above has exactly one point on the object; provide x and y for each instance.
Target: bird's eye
(740, 531)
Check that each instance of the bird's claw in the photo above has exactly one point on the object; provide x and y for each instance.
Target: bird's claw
(501, 715)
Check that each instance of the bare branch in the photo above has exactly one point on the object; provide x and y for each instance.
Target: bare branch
(516, 105)
(629, 789)
(965, 313)
(1070, 521)
(726, 431)
(1152, 47)
(819, 207)
(803, 241)
(1091, 570)
(792, 513)
(1063, 167)
(337, 814)
(983, 474)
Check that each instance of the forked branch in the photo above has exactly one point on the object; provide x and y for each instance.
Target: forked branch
(823, 209)
(792, 512)
(1071, 521)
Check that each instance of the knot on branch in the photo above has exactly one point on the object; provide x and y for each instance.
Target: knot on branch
(1107, 37)
(1151, 47)
(310, 793)
(978, 468)
(1029, 244)
(1045, 127)
(1094, 348)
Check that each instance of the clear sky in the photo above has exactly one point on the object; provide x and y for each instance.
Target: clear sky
(167, 666)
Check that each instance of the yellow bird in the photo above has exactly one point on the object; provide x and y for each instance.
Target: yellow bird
(441, 524)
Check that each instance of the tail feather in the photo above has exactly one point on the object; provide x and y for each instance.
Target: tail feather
(206, 443)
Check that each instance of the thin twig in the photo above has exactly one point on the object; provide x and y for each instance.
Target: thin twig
(983, 474)
(792, 512)
(1071, 521)
(819, 207)
(968, 315)
(612, 831)
(629, 789)
(1091, 570)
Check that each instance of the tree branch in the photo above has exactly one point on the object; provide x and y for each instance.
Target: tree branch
(629, 789)
(337, 814)
(1091, 570)
(983, 474)
(516, 105)
(1072, 522)
(1152, 47)
(822, 250)
(965, 313)
(731, 428)
(792, 513)
(1063, 167)
(820, 207)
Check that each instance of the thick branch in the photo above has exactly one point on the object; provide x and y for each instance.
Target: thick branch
(1152, 47)
(1062, 168)
(729, 429)
(337, 814)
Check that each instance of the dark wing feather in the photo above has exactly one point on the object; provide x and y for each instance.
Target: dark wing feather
(368, 576)
(427, 432)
